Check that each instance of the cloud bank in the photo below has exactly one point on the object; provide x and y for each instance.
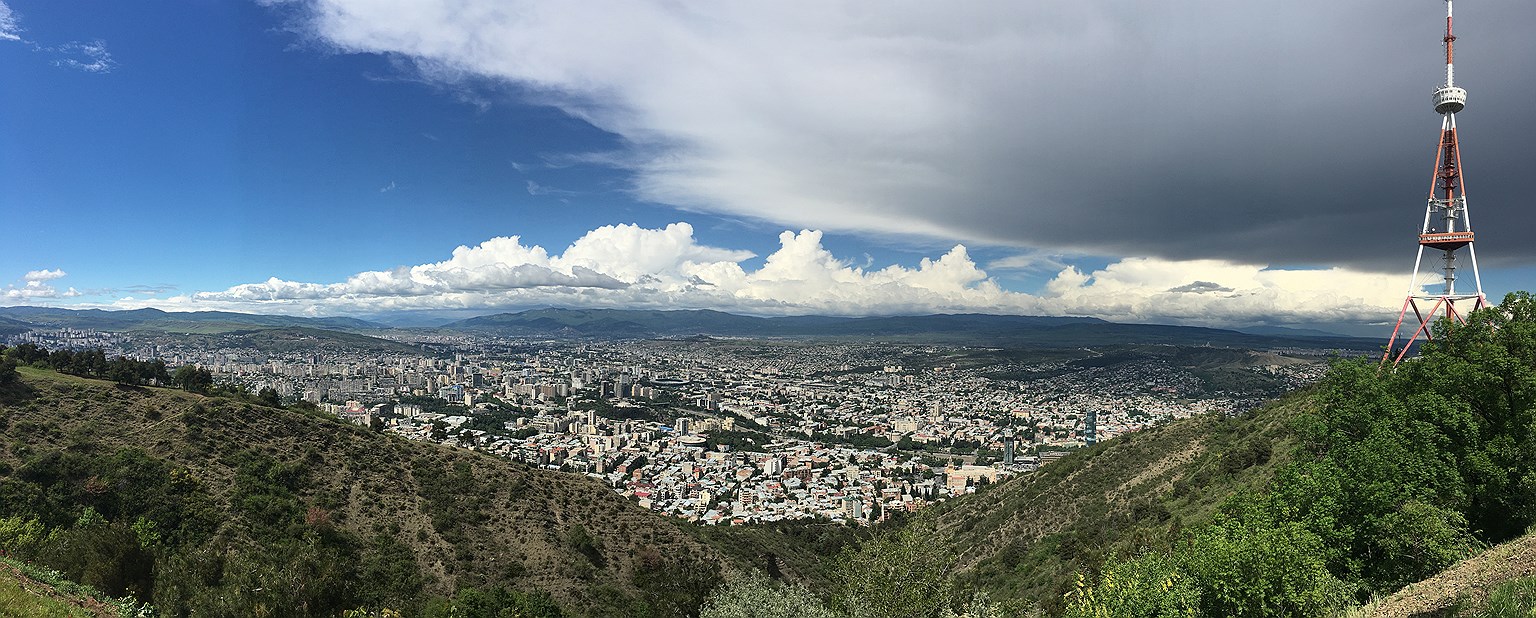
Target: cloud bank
(1281, 132)
(35, 287)
(627, 266)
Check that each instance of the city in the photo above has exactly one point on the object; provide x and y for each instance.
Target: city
(736, 430)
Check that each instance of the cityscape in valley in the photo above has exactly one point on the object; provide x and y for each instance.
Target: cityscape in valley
(682, 309)
(739, 430)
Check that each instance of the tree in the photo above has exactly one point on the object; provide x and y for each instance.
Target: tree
(28, 354)
(756, 596)
(896, 574)
(8, 374)
(269, 397)
(192, 378)
(1247, 565)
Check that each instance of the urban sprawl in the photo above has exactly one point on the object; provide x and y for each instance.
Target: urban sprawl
(730, 431)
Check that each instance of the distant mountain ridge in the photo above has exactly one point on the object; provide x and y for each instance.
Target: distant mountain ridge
(964, 328)
(706, 321)
(970, 328)
(155, 319)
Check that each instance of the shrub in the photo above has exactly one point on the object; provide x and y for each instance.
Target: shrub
(756, 596)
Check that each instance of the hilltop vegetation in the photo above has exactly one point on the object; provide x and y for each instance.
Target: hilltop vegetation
(216, 506)
(1397, 475)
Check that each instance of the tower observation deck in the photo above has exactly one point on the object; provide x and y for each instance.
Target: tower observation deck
(1447, 224)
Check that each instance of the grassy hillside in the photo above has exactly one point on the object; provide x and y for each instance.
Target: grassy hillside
(27, 591)
(233, 486)
(1024, 540)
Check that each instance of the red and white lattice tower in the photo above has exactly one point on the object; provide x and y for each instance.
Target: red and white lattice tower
(1447, 225)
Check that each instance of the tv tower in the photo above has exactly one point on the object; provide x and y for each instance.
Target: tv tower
(1447, 223)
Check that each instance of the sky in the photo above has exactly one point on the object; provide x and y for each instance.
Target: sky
(1188, 162)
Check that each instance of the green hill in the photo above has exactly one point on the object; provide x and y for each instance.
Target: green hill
(1023, 541)
(221, 507)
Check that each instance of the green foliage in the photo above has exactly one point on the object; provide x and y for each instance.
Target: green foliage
(8, 375)
(15, 599)
(21, 536)
(57, 486)
(494, 603)
(106, 556)
(268, 397)
(192, 378)
(895, 575)
(1151, 585)
(673, 587)
(266, 492)
(1433, 460)
(272, 538)
(1399, 475)
(493, 421)
(585, 544)
(27, 354)
(978, 607)
(1512, 599)
(855, 440)
(1247, 565)
(1244, 564)
(756, 596)
(738, 440)
(393, 578)
(453, 499)
(91, 363)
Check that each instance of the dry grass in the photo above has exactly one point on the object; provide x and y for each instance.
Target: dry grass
(367, 483)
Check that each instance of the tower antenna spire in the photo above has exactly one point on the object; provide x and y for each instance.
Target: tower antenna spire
(1447, 222)
(1450, 45)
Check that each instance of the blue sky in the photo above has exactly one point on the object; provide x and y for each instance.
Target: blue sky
(205, 154)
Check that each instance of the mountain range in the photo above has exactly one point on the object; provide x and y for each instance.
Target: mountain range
(969, 329)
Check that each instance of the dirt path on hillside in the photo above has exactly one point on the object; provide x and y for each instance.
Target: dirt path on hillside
(1472, 579)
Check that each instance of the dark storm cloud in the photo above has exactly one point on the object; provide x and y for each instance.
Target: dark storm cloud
(1280, 132)
(1200, 287)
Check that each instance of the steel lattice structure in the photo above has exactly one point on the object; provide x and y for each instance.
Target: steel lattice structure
(1447, 224)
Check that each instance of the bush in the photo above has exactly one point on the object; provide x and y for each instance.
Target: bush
(895, 575)
(1148, 586)
(756, 596)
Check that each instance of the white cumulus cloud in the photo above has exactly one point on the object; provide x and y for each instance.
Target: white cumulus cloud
(44, 275)
(628, 266)
(35, 287)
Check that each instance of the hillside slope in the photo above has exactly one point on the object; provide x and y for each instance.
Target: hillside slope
(1465, 586)
(467, 519)
(21, 595)
(1024, 540)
